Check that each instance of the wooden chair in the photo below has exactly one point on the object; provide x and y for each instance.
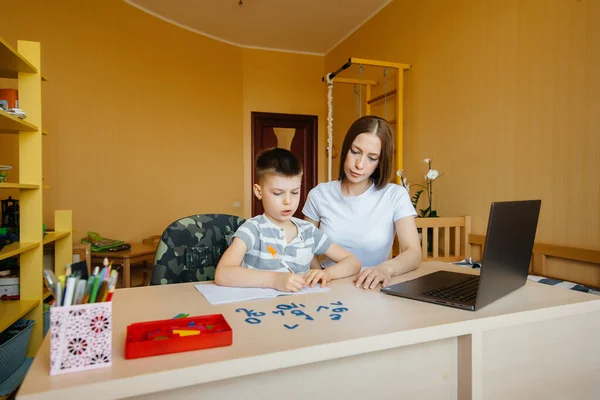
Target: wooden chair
(572, 264)
(445, 238)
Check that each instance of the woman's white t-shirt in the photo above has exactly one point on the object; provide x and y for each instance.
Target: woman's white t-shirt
(363, 224)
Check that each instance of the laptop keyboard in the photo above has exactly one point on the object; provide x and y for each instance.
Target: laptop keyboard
(462, 291)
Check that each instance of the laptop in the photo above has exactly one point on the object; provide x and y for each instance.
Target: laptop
(504, 268)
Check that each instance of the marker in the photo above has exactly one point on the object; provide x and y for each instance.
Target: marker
(58, 294)
(69, 291)
(106, 268)
(79, 291)
(95, 287)
(102, 292)
(114, 276)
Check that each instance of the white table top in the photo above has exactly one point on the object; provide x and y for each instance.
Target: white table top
(374, 321)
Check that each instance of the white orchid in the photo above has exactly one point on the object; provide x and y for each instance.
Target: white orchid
(432, 174)
(403, 180)
(430, 177)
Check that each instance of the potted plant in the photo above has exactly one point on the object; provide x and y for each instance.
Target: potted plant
(431, 176)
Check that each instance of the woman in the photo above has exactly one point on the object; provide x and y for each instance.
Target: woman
(361, 211)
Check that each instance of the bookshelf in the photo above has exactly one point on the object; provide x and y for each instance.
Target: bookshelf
(9, 185)
(24, 65)
(13, 310)
(54, 236)
(11, 124)
(14, 249)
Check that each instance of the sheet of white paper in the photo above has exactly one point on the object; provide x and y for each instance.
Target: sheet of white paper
(221, 294)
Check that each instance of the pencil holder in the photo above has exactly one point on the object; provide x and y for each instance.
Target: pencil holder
(81, 337)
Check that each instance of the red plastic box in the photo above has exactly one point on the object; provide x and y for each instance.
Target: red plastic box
(145, 339)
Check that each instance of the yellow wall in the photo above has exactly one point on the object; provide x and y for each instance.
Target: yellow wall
(280, 83)
(148, 122)
(504, 97)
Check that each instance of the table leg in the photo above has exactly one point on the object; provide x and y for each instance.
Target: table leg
(126, 273)
(146, 276)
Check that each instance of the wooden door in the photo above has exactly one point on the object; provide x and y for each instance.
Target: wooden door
(297, 133)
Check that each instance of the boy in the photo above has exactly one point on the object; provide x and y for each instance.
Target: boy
(248, 262)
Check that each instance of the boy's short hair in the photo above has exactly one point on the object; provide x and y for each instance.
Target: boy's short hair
(277, 161)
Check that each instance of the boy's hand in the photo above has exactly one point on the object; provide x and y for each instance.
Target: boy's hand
(287, 282)
(315, 275)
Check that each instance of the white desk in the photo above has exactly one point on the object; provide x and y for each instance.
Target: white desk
(538, 342)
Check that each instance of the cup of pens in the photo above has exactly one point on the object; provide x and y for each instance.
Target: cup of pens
(81, 321)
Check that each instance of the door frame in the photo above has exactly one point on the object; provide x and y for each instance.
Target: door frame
(256, 116)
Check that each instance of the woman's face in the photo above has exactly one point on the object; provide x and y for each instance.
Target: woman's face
(362, 158)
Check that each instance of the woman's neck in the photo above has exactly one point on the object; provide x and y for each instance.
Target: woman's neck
(350, 189)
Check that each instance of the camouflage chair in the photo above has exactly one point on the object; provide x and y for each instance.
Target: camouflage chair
(190, 248)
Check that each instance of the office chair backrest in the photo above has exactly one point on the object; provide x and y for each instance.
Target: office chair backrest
(191, 247)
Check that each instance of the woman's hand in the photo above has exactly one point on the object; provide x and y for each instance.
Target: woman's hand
(315, 275)
(288, 282)
(408, 259)
(369, 278)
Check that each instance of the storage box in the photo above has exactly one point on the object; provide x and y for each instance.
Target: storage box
(153, 338)
(80, 337)
(13, 346)
(9, 98)
(9, 288)
(15, 379)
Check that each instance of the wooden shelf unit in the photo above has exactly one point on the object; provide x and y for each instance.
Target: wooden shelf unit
(54, 236)
(11, 62)
(24, 65)
(10, 185)
(12, 310)
(11, 124)
(14, 249)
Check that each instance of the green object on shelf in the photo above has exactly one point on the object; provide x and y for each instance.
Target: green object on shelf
(98, 243)
(4, 172)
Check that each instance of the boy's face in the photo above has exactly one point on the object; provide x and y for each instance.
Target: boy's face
(280, 195)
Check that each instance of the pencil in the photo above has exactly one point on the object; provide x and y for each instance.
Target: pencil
(278, 258)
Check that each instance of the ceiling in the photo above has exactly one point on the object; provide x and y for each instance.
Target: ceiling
(302, 26)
